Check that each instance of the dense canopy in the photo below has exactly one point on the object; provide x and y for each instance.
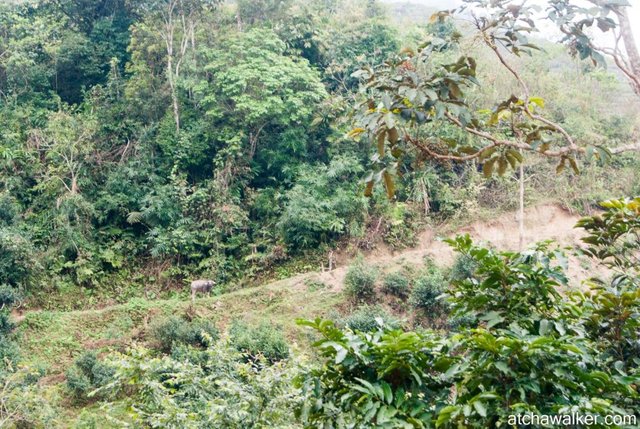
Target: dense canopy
(300, 158)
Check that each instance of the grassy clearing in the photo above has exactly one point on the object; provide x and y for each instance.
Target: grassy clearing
(54, 339)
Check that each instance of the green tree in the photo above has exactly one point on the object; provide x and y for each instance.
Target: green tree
(578, 21)
(67, 145)
(259, 86)
(529, 351)
(613, 240)
(409, 100)
(178, 20)
(261, 11)
(324, 203)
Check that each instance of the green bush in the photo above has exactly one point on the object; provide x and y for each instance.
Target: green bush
(401, 226)
(78, 383)
(24, 406)
(182, 352)
(323, 204)
(87, 420)
(31, 375)
(167, 332)
(396, 284)
(525, 333)
(174, 330)
(463, 267)
(6, 325)
(9, 209)
(260, 341)
(360, 281)
(612, 306)
(428, 287)
(98, 372)
(87, 374)
(8, 296)
(458, 323)
(9, 351)
(16, 257)
(200, 332)
(365, 319)
(214, 388)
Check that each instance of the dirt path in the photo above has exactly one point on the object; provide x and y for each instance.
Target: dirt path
(57, 337)
(543, 222)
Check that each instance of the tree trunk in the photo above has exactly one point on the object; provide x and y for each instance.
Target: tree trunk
(172, 86)
(630, 47)
(630, 65)
(168, 36)
(253, 142)
(176, 107)
(425, 197)
(521, 212)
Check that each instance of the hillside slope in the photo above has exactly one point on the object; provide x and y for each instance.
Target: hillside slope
(54, 338)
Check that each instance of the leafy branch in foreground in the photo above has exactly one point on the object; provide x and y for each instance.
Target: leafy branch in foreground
(614, 236)
(418, 102)
(610, 16)
(213, 388)
(613, 305)
(532, 348)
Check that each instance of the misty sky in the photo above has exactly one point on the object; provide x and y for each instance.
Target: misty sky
(448, 4)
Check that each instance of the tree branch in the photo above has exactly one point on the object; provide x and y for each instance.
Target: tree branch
(573, 147)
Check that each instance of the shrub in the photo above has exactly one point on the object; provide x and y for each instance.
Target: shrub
(323, 204)
(360, 281)
(9, 351)
(463, 268)
(263, 340)
(612, 306)
(396, 284)
(87, 374)
(9, 209)
(526, 333)
(212, 389)
(78, 383)
(365, 319)
(182, 353)
(16, 257)
(22, 402)
(174, 330)
(427, 289)
(167, 332)
(6, 325)
(8, 296)
(401, 225)
(458, 323)
(31, 375)
(87, 420)
(98, 372)
(198, 332)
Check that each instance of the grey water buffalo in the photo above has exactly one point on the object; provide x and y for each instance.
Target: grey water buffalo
(201, 286)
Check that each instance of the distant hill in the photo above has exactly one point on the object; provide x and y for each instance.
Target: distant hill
(415, 11)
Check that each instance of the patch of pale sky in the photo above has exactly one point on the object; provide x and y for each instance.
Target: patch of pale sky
(546, 30)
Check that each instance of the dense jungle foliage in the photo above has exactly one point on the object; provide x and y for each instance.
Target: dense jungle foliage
(140, 149)
(145, 144)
